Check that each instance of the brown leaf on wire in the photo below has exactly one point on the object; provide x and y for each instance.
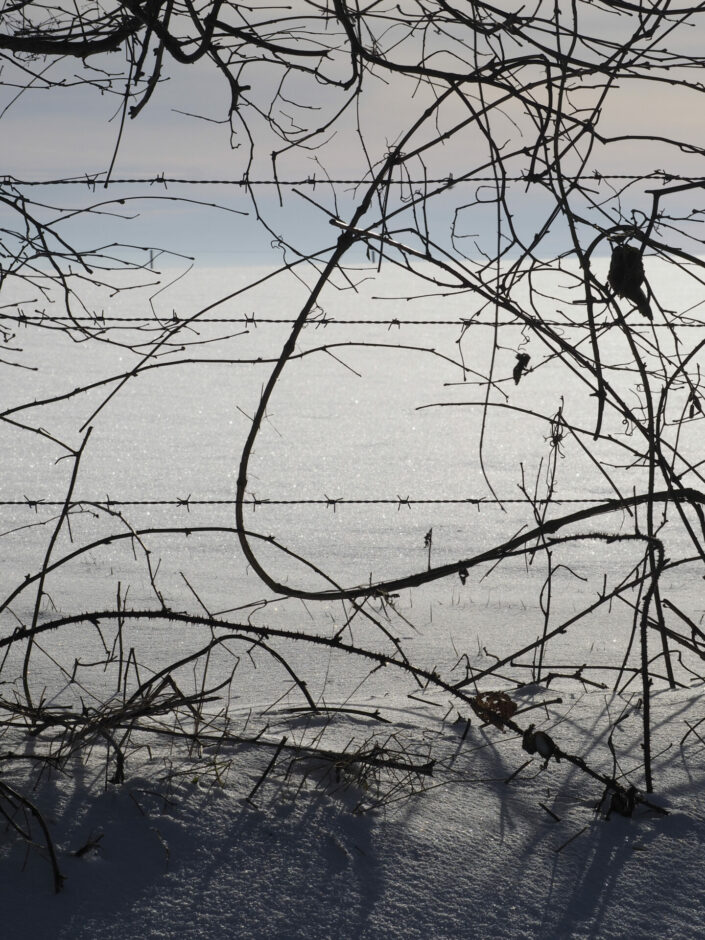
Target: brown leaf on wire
(495, 708)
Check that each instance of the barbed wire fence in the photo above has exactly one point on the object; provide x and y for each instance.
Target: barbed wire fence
(315, 322)
(319, 321)
(520, 117)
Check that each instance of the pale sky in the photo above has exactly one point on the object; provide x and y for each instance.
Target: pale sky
(72, 131)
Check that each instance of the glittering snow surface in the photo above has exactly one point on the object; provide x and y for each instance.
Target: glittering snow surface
(492, 843)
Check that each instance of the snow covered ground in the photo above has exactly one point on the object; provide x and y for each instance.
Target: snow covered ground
(487, 846)
(240, 839)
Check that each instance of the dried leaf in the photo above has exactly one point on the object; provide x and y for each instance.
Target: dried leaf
(520, 367)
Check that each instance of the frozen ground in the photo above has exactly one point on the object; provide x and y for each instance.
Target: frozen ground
(475, 850)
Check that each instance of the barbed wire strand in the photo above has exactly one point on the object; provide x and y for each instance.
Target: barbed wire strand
(256, 321)
(325, 321)
(330, 502)
(89, 179)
